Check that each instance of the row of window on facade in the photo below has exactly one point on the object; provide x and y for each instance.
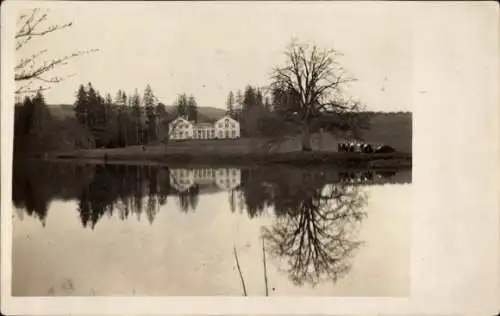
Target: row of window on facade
(220, 125)
(184, 181)
(205, 134)
(227, 125)
(205, 172)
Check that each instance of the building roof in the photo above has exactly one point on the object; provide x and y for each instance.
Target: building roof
(227, 117)
(203, 122)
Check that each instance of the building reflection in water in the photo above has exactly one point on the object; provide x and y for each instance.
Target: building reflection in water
(225, 179)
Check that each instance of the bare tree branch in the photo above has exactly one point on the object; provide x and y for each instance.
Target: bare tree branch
(25, 89)
(23, 74)
(33, 25)
(309, 84)
(313, 74)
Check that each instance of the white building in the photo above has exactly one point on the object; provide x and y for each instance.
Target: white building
(180, 128)
(226, 127)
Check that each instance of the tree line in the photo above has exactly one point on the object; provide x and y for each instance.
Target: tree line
(186, 107)
(127, 120)
(250, 107)
(36, 131)
(275, 112)
(100, 121)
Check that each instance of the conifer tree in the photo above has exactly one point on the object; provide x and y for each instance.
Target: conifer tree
(162, 121)
(192, 109)
(267, 104)
(249, 98)
(98, 111)
(40, 113)
(108, 100)
(149, 105)
(230, 104)
(259, 99)
(118, 97)
(81, 105)
(182, 105)
(137, 114)
(124, 98)
(27, 122)
(239, 101)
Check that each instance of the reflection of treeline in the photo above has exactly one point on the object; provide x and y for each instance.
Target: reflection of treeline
(127, 190)
(35, 185)
(98, 189)
(124, 189)
(281, 187)
(278, 187)
(313, 231)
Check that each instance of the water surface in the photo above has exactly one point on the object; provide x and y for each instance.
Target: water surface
(157, 231)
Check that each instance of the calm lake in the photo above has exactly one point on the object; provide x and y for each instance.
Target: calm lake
(84, 229)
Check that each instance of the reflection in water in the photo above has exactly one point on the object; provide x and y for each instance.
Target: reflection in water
(316, 212)
(223, 178)
(189, 182)
(315, 231)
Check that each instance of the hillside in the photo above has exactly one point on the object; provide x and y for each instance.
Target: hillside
(205, 114)
(62, 111)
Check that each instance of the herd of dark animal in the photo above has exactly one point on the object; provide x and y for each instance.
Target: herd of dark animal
(364, 148)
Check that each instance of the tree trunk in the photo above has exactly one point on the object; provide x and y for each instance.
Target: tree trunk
(306, 136)
(137, 135)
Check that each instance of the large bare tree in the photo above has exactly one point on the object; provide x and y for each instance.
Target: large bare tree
(316, 79)
(33, 24)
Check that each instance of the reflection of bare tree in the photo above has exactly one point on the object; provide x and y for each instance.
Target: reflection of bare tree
(315, 235)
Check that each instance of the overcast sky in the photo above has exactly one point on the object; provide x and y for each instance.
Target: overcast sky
(210, 48)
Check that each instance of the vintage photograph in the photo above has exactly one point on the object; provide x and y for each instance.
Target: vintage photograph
(212, 149)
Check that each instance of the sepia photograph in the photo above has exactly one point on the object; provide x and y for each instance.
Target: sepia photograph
(202, 149)
(237, 164)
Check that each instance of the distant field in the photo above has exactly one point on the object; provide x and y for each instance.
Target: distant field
(393, 129)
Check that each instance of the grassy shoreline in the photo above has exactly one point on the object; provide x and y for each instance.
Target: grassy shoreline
(297, 158)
